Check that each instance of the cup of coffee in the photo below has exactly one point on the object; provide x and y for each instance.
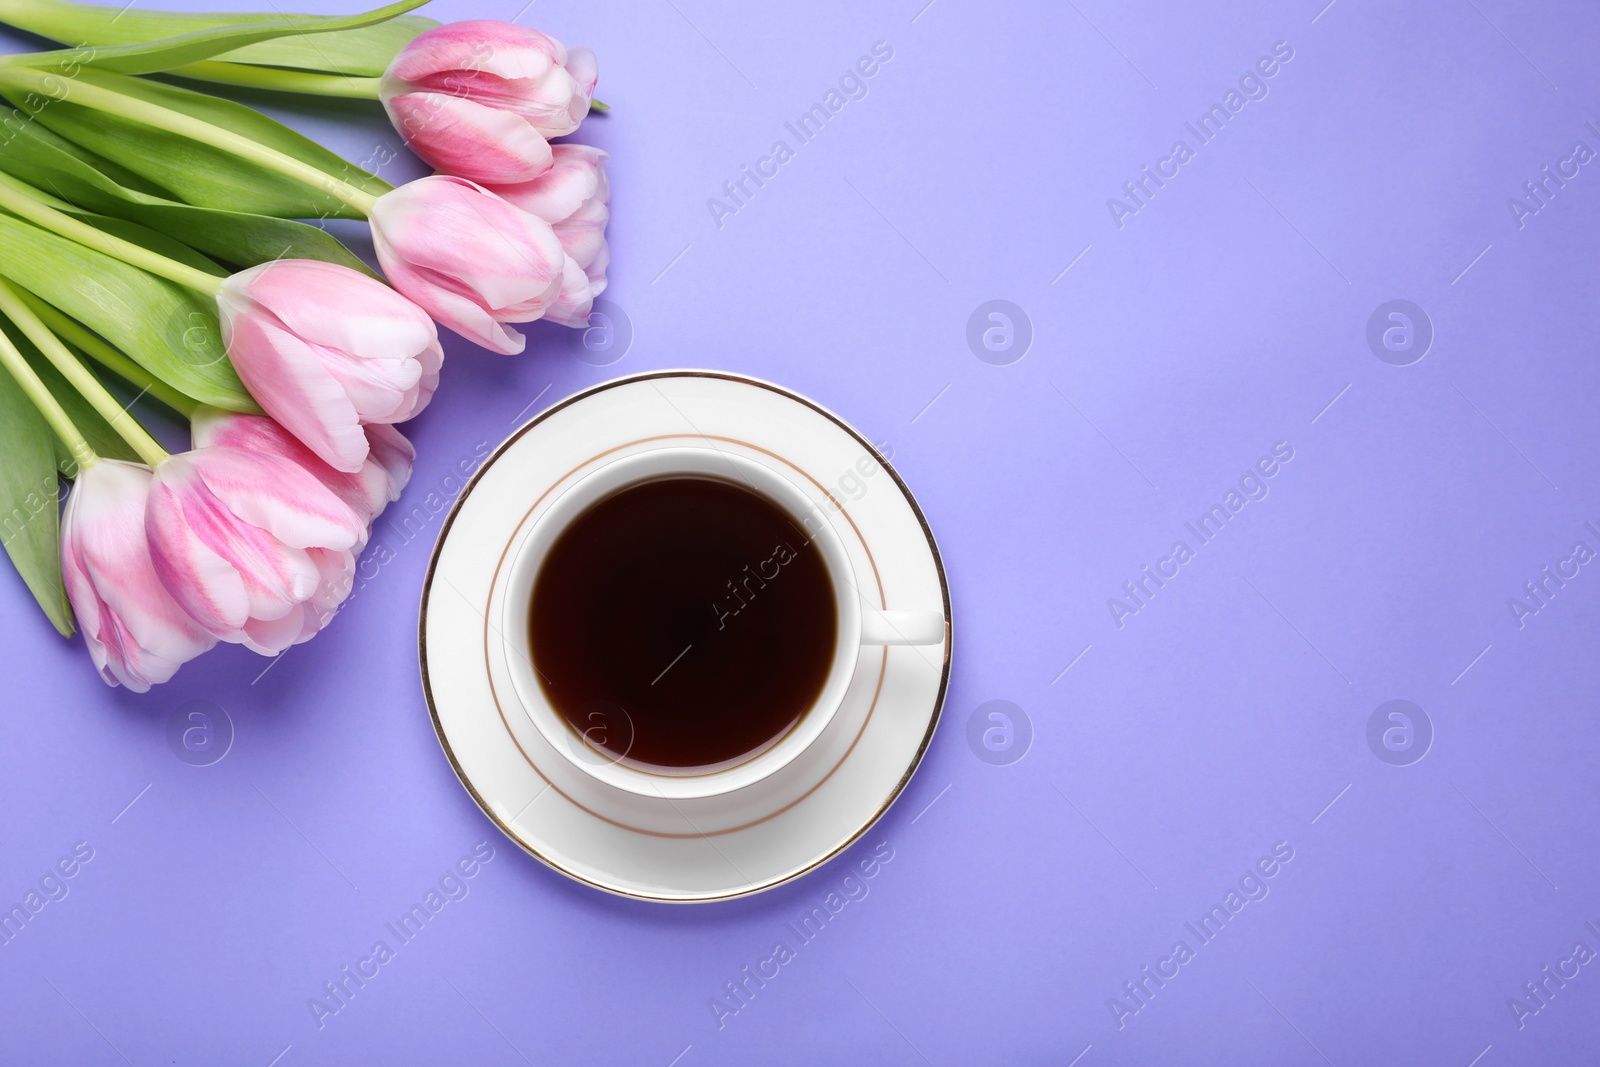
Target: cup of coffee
(685, 622)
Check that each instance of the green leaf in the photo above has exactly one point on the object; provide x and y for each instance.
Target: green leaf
(145, 237)
(15, 124)
(102, 438)
(170, 331)
(281, 80)
(244, 240)
(150, 57)
(359, 53)
(245, 121)
(195, 172)
(365, 52)
(132, 232)
(30, 516)
(47, 161)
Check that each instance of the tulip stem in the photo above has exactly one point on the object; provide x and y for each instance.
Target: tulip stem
(86, 342)
(99, 397)
(26, 202)
(34, 388)
(250, 76)
(279, 80)
(164, 118)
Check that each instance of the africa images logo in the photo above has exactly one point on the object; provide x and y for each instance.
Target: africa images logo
(1252, 887)
(452, 886)
(1252, 86)
(738, 192)
(739, 992)
(1253, 485)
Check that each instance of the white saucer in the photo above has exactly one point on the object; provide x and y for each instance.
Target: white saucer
(657, 849)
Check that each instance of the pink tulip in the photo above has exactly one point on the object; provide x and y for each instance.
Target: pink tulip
(469, 258)
(573, 197)
(138, 635)
(325, 348)
(481, 99)
(368, 491)
(576, 299)
(251, 544)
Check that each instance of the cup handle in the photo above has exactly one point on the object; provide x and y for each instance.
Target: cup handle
(901, 627)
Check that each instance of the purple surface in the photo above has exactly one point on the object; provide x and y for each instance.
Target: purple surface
(1169, 754)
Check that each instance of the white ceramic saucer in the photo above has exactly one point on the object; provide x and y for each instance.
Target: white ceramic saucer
(654, 848)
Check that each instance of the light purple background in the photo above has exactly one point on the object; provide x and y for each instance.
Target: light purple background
(1225, 716)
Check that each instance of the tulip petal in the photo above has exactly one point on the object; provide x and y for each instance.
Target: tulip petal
(145, 635)
(279, 497)
(271, 576)
(468, 257)
(500, 48)
(459, 313)
(136, 633)
(272, 637)
(208, 586)
(380, 390)
(461, 136)
(575, 177)
(572, 307)
(462, 230)
(324, 348)
(366, 492)
(443, 88)
(585, 70)
(243, 539)
(81, 593)
(333, 306)
(583, 241)
(395, 455)
(288, 378)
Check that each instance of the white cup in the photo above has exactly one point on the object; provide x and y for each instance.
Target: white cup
(858, 622)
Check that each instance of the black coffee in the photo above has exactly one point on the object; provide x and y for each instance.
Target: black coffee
(684, 622)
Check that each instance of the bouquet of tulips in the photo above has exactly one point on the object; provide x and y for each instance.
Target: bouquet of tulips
(152, 234)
